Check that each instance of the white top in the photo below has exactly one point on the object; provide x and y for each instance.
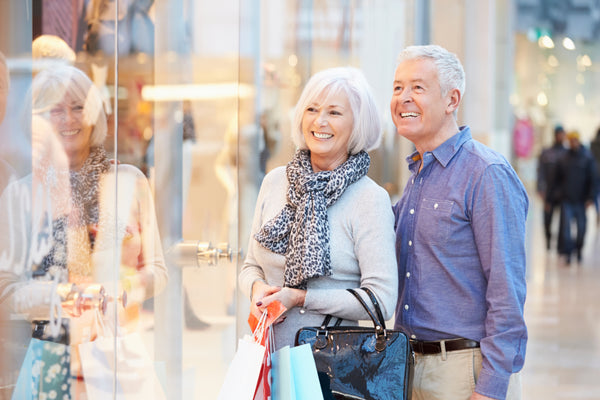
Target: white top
(127, 216)
(362, 255)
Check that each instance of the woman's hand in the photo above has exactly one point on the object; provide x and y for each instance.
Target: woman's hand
(289, 297)
(260, 289)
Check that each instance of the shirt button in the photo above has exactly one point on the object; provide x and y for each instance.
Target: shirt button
(412, 211)
(406, 306)
(410, 242)
(413, 336)
(435, 206)
(408, 274)
(413, 181)
(302, 311)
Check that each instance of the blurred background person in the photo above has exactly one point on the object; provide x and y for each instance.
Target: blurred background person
(595, 149)
(546, 179)
(575, 180)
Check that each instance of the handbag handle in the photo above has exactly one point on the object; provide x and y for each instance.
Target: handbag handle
(376, 305)
(376, 322)
(380, 331)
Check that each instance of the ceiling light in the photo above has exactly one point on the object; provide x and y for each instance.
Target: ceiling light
(542, 99)
(546, 42)
(568, 43)
(196, 92)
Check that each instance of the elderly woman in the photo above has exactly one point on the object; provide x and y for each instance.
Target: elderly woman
(321, 225)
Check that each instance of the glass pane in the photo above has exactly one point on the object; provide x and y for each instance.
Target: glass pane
(190, 101)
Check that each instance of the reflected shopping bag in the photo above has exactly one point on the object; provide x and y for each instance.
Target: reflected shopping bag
(45, 372)
(294, 374)
(136, 378)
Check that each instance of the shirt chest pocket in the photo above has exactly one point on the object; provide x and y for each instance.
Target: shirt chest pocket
(435, 220)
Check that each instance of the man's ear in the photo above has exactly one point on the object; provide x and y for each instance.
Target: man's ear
(453, 98)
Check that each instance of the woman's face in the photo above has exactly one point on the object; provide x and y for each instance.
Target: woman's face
(327, 126)
(74, 132)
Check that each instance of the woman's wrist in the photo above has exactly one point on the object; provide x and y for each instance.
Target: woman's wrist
(300, 297)
(258, 281)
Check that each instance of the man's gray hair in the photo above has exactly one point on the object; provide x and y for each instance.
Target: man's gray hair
(450, 70)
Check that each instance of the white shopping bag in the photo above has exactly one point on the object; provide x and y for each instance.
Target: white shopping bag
(243, 372)
(125, 358)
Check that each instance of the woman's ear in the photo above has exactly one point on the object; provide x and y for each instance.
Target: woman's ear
(453, 98)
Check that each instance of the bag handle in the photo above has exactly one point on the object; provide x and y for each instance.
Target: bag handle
(379, 320)
(376, 322)
(376, 305)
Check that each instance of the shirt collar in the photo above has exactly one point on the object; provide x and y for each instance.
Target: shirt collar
(444, 152)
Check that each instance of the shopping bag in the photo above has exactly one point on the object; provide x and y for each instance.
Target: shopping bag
(294, 374)
(304, 371)
(242, 374)
(263, 389)
(123, 357)
(274, 310)
(45, 372)
(282, 386)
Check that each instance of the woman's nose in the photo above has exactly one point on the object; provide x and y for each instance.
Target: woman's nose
(321, 119)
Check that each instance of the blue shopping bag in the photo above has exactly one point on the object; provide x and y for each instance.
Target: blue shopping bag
(45, 372)
(294, 374)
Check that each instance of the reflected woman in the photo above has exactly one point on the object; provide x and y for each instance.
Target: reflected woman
(321, 225)
(87, 221)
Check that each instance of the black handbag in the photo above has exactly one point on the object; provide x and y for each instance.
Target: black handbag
(355, 362)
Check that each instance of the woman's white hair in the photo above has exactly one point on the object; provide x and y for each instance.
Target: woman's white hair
(450, 71)
(50, 85)
(366, 133)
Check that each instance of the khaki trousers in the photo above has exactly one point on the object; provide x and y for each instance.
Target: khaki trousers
(452, 376)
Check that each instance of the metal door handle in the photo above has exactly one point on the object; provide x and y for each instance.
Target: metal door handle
(196, 253)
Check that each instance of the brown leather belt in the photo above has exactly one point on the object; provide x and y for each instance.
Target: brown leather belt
(436, 347)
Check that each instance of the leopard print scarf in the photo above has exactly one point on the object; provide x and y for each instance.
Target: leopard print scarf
(85, 211)
(301, 230)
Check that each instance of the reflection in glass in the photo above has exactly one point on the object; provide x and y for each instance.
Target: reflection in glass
(78, 219)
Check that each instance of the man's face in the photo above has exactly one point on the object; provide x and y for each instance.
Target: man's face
(418, 108)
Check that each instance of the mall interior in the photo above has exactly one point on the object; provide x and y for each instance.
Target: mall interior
(199, 97)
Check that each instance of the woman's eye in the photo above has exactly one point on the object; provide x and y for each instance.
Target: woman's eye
(311, 109)
(334, 112)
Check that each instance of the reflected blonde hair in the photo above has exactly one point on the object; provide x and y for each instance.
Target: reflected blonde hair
(366, 132)
(50, 86)
(4, 74)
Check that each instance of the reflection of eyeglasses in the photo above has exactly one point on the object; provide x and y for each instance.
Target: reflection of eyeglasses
(61, 112)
